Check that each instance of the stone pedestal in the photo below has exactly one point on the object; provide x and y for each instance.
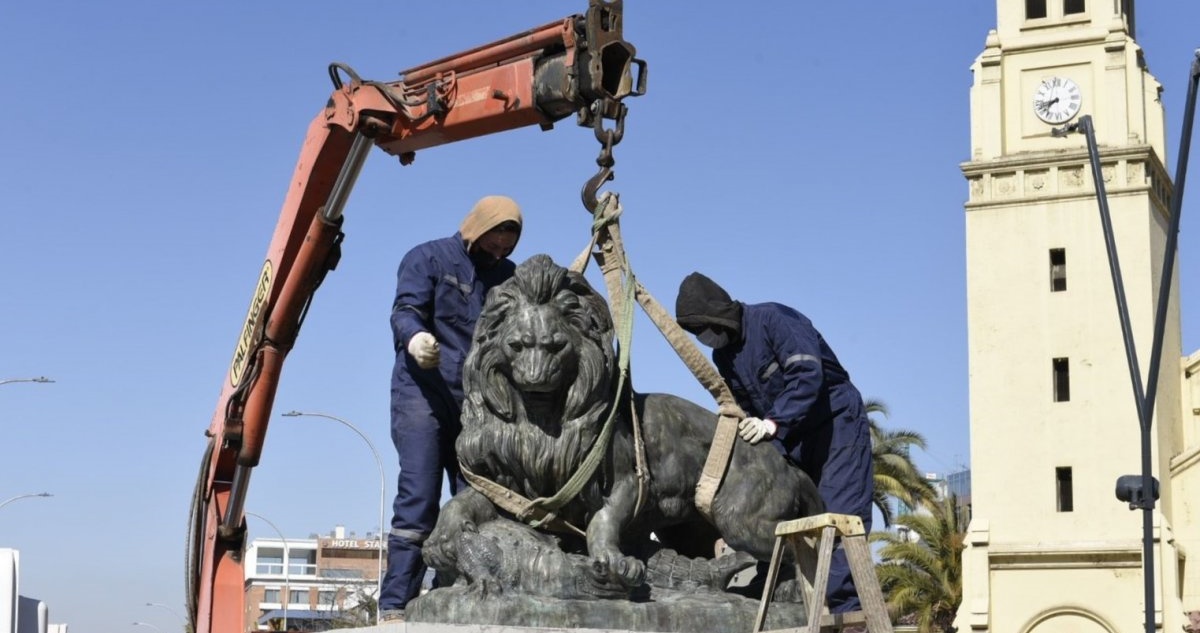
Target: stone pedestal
(663, 612)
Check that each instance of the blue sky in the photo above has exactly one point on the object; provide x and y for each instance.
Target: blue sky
(808, 153)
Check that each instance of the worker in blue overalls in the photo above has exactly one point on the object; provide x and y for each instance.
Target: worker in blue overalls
(440, 289)
(786, 377)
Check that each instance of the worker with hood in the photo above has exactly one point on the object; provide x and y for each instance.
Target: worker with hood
(440, 289)
(800, 398)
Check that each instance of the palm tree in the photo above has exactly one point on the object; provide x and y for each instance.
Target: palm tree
(921, 577)
(896, 476)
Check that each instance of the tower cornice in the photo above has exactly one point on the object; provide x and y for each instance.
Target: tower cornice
(1066, 174)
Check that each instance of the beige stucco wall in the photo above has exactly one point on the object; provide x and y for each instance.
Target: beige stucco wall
(1028, 613)
(1017, 326)
(1185, 479)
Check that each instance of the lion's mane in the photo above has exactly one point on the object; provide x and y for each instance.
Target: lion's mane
(533, 443)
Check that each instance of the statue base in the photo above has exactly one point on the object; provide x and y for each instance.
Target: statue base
(665, 611)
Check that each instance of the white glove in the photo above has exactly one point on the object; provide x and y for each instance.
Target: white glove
(754, 430)
(424, 349)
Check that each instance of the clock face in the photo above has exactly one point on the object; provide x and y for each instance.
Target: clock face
(1057, 100)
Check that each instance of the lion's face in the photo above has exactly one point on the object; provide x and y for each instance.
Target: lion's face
(544, 339)
(539, 349)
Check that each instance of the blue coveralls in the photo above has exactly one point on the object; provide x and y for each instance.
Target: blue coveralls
(784, 371)
(440, 291)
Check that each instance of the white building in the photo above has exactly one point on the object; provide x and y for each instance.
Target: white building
(323, 584)
(21, 614)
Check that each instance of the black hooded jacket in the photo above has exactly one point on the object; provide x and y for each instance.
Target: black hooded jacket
(778, 366)
(702, 304)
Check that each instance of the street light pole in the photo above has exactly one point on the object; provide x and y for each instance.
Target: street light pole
(149, 625)
(38, 379)
(382, 497)
(34, 494)
(173, 612)
(287, 589)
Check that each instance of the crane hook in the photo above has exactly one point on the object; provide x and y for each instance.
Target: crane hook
(592, 187)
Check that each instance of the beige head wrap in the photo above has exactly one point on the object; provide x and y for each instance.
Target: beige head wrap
(487, 214)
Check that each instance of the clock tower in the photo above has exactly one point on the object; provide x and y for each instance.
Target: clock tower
(1053, 418)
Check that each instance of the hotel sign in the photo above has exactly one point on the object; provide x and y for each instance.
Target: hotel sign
(350, 543)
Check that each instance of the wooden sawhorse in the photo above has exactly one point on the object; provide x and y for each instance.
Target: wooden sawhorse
(827, 527)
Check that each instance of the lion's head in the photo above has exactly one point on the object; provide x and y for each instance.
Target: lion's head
(542, 362)
(544, 338)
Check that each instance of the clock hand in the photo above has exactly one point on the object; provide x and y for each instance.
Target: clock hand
(1045, 106)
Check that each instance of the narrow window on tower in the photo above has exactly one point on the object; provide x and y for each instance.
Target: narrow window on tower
(1073, 6)
(1062, 483)
(1181, 562)
(1062, 380)
(1058, 269)
(1035, 9)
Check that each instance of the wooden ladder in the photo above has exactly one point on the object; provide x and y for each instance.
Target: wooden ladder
(814, 578)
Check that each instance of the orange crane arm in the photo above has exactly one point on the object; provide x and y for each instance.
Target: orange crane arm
(578, 65)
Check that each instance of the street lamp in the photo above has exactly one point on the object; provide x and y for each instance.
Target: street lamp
(382, 497)
(149, 625)
(35, 494)
(38, 379)
(173, 612)
(287, 589)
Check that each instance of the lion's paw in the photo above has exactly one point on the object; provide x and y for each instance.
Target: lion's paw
(440, 550)
(625, 571)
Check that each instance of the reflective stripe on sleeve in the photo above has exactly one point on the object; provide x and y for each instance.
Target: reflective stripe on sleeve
(791, 360)
(799, 358)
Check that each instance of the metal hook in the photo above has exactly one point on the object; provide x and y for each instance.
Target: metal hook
(592, 187)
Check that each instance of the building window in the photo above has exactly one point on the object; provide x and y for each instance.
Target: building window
(270, 561)
(327, 598)
(271, 595)
(1182, 567)
(1058, 269)
(298, 596)
(1062, 380)
(1073, 6)
(302, 562)
(1062, 480)
(1035, 9)
(342, 573)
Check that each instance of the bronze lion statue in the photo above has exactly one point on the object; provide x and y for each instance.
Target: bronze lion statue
(539, 380)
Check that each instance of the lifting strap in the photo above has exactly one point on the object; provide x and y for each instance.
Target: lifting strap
(516, 504)
(609, 250)
(621, 285)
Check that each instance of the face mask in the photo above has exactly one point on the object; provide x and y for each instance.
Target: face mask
(714, 338)
(482, 259)
(493, 246)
